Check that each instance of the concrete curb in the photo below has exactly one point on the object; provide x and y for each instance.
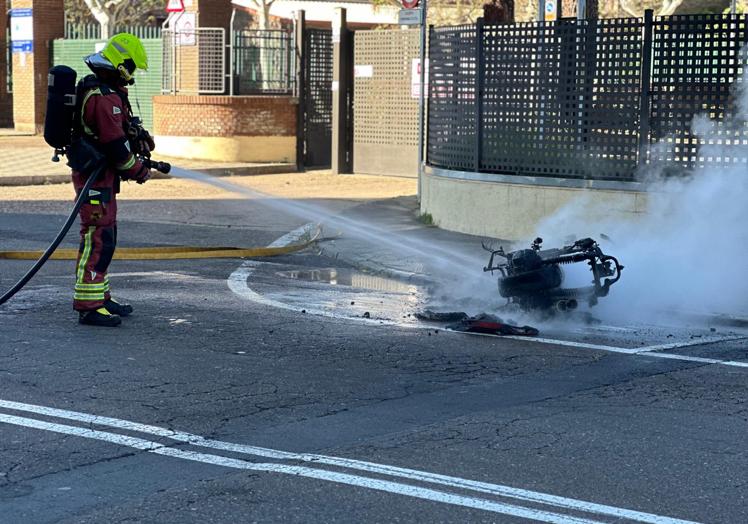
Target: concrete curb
(33, 180)
(265, 169)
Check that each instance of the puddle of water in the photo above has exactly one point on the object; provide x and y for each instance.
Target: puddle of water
(350, 278)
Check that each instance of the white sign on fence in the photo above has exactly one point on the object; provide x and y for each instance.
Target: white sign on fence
(415, 79)
(185, 28)
(409, 17)
(21, 30)
(363, 71)
(550, 10)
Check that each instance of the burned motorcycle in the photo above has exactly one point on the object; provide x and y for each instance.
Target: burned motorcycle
(532, 278)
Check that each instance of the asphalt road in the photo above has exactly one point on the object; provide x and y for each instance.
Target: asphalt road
(212, 405)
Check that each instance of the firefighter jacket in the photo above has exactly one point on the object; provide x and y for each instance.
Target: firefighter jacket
(104, 118)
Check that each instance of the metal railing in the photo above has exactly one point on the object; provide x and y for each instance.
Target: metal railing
(194, 62)
(263, 62)
(93, 31)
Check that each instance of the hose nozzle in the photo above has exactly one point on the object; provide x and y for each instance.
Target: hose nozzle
(163, 167)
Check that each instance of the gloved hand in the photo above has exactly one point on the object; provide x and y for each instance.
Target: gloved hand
(144, 177)
(147, 144)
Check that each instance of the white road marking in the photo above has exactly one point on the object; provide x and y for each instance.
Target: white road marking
(301, 471)
(733, 363)
(238, 284)
(572, 343)
(693, 342)
(369, 467)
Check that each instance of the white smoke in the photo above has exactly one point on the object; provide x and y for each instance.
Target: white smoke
(689, 250)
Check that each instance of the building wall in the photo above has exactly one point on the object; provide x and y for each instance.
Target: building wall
(229, 129)
(30, 69)
(512, 211)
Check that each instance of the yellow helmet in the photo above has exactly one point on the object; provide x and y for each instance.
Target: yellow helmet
(126, 53)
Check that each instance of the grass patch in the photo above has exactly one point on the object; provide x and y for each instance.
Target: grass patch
(426, 219)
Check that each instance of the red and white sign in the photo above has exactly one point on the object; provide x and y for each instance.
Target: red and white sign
(410, 4)
(174, 6)
(415, 79)
(185, 28)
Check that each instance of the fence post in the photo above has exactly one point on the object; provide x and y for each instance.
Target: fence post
(479, 77)
(232, 55)
(300, 87)
(342, 69)
(646, 77)
(425, 124)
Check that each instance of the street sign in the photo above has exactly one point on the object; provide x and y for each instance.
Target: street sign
(21, 30)
(550, 10)
(410, 4)
(185, 28)
(174, 6)
(409, 17)
(415, 79)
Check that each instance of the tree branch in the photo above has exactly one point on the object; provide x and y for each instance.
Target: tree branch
(627, 9)
(669, 7)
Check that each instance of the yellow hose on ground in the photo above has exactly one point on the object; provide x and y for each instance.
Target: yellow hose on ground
(171, 252)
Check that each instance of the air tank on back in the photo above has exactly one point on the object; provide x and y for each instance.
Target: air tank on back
(58, 122)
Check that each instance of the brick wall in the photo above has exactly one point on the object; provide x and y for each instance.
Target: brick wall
(30, 69)
(6, 99)
(224, 116)
(211, 13)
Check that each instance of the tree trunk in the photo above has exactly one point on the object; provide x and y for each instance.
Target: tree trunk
(265, 53)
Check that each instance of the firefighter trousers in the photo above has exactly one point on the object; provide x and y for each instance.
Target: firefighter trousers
(98, 242)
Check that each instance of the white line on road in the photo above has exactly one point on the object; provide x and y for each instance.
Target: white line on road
(572, 343)
(652, 351)
(695, 342)
(689, 358)
(369, 467)
(302, 471)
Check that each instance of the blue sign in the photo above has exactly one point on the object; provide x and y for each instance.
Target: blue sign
(21, 30)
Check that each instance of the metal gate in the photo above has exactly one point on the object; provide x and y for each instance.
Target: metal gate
(194, 62)
(317, 103)
(385, 102)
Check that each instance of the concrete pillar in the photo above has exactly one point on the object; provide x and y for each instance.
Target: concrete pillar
(342, 84)
(300, 87)
(6, 99)
(30, 69)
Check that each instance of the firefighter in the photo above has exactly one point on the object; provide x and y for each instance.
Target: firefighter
(104, 118)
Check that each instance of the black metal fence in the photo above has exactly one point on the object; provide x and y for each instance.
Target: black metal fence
(584, 98)
(264, 62)
(93, 31)
(317, 100)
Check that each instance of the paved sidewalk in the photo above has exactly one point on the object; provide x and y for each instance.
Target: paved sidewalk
(388, 237)
(26, 160)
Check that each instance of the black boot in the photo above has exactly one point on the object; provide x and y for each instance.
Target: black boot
(116, 308)
(99, 317)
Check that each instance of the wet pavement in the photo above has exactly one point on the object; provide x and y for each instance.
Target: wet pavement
(349, 293)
